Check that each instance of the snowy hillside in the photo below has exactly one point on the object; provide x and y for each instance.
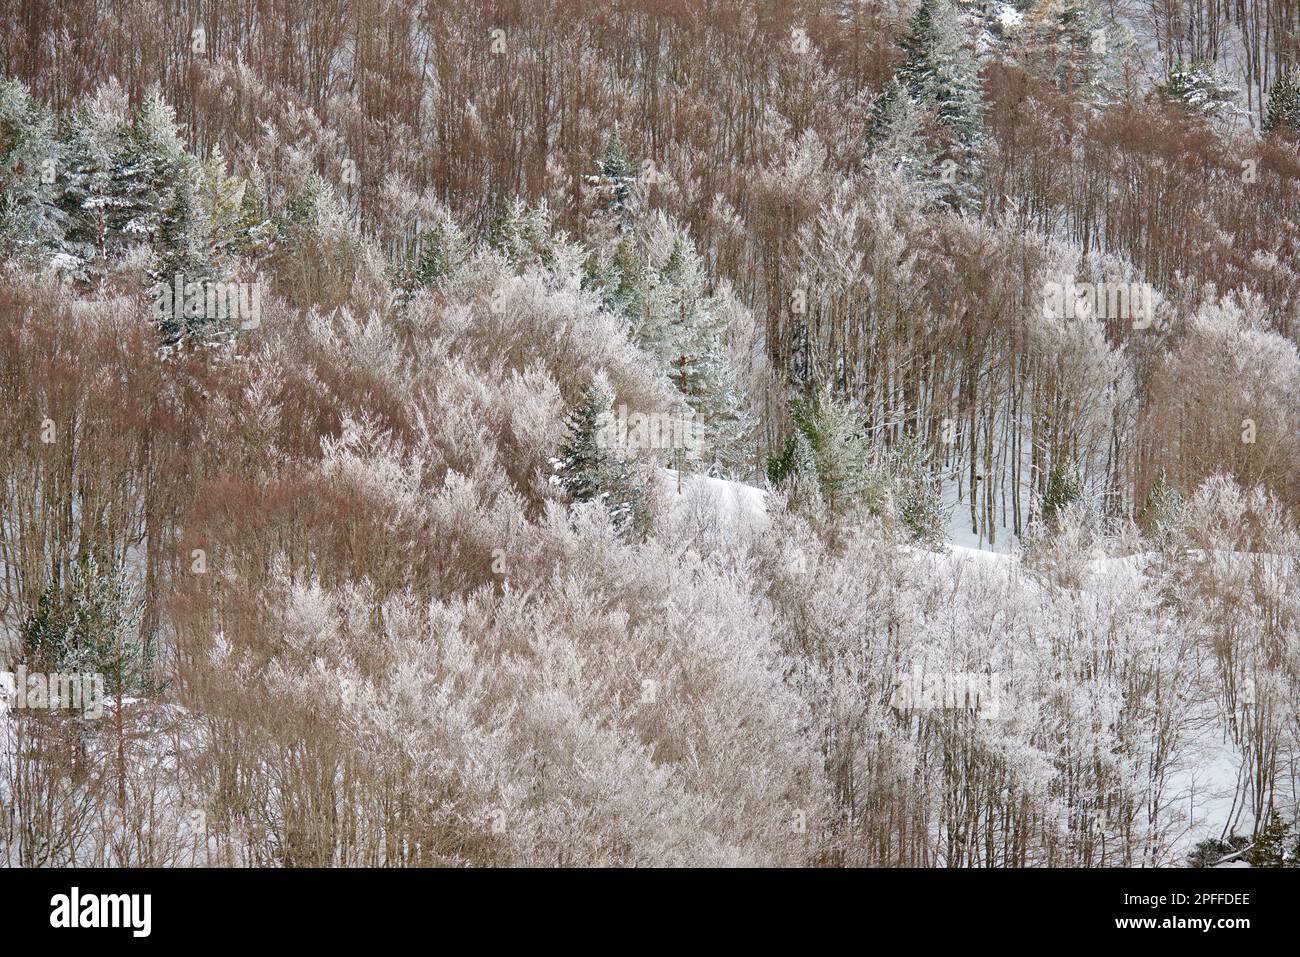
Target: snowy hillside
(716, 433)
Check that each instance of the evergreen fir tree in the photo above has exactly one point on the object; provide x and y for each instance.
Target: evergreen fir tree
(659, 285)
(1158, 516)
(254, 230)
(313, 209)
(632, 287)
(829, 439)
(898, 146)
(440, 252)
(829, 446)
(616, 187)
(1211, 851)
(304, 209)
(1063, 488)
(92, 625)
(590, 466)
(31, 223)
(88, 191)
(221, 211)
(915, 492)
(1274, 845)
(795, 459)
(182, 257)
(1078, 66)
(523, 235)
(700, 368)
(582, 458)
(146, 173)
(1198, 90)
(940, 76)
(1283, 115)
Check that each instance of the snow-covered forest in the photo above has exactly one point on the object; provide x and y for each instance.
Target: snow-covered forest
(653, 432)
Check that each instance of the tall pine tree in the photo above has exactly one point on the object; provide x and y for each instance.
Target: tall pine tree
(591, 467)
(182, 257)
(656, 281)
(826, 447)
(220, 202)
(91, 624)
(940, 76)
(616, 189)
(1283, 116)
(148, 171)
(88, 191)
(31, 223)
(1198, 90)
(899, 147)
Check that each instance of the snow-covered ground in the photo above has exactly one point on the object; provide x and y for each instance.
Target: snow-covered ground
(731, 501)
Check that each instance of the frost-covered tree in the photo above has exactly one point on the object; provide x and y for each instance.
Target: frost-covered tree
(183, 253)
(314, 208)
(914, 490)
(1063, 489)
(1237, 552)
(91, 624)
(441, 250)
(314, 249)
(1275, 844)
(629, 286)
(220, 198)
(1283, 114)
(590, 466)
(697, 361)
(940, 75)
(828, 446)
(523, 234)
(90, 193)
(657, 283)
(1080, 44)
(1160, 513)
(1199, 90)
(31, 223)
(828, 439)
(1072, 43)
(898, 146)
(255, 229)
(615, 184)
(146, 174)
(526, 237)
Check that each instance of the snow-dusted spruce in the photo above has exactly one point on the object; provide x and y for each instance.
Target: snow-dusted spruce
(939, 75)
(90, 624)
(89, 188)
(828, 453)
(617, 189)
(31, 223)
(592, 467)
(440, 251)
(1199, 89)
(654, 280)
(1283, 114)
